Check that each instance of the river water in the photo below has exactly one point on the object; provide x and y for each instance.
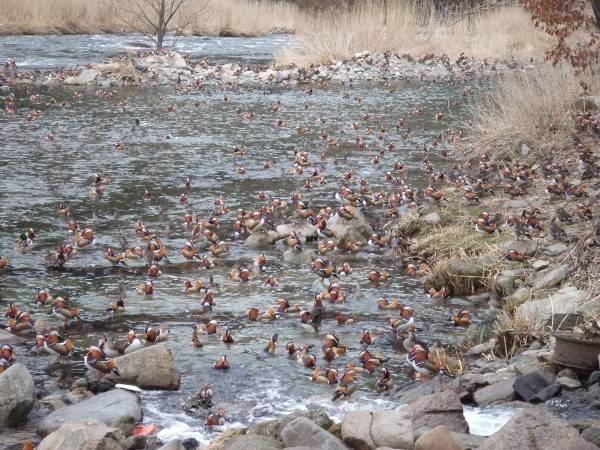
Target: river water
(36, 175)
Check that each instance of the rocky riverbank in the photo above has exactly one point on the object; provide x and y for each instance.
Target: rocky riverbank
(170, 68)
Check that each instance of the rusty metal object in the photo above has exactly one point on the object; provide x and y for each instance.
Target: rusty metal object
(573, 351)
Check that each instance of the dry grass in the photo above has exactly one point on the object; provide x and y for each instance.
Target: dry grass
(239, 17)
(530, 107)
(514, 332)
(453, 364)
(413, 28)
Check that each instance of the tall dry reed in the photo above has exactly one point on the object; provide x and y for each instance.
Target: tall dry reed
(415, 28)
(237, 17)
(531, 107)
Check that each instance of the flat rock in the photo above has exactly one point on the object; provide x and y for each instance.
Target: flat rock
(17, 394)
(419, 390)
(536, 429)
(486, 347)
(173, 444)
(530, 384)
(442, 408)
(87, 434)
(260, 240)
(117, 409)
(546, 394)
(565, 301)
(555, 249)
(501, 391)
(463, 268)
(552, 278)
(529, 363)
(439, 438)
(345, 231)
(247, 442)
(568, 383)
(148, 368)
(529, 247)
(592, 434)
(540, 264)
(302, 432)
(273, 428)
(303, 257)
(10, 338)
(367, 430)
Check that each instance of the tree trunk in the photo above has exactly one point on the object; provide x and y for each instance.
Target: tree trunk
(161, 27)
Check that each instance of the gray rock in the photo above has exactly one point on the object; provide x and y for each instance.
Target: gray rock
(569, 373)
(538, 429)
(506, 284)
(418, 390)
(17, 394)
(540, 264)
(474, 381)
(11, 338)
(148, 368)
(190, 444)
(552, 278)
(303, 229)
(303, 257)
(554, 250)
(478, 333)
(357, 229)
(246, 442)
(463, 268)
(260, 240)
(273, 428)
(592, 434)
(594, 377)
(302, 432)
(179, 62)
(568, 383)
(439, 438)
(529, 247)
(546, 394)
(468, 441)
(591, 307)
(87, 434)
(529, 363)
(565, 301)
(530, 384)
(117, 408)
(367, 430)
(501, 391)
(173, 444)
(443, 408)
(592, 396)
(486, 347)
(140, 64)
(432, 218)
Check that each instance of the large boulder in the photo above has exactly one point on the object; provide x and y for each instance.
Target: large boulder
(439, 438)
(17, 394)
(272, 428)
(566, 301)
(367, 430)
(552, 278)
(442, 408)
(501, 391)
(148, 368)
(246, 442)
(353, 230)
(88, 434)
(10, 338)
(536, 429)
(301, 432)
(117, 408)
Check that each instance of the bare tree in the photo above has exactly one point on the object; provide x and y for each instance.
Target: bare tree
(159, 17)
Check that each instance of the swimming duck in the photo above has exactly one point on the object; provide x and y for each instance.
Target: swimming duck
(385, 383)
(241, 275)
(117, 306)
(462, 318)
(208, 300)
(156, 336)
(219, 248)
(377, 276)
(271, 281)
(136, 252)
(114, 257)
(96, 361)
(4, 263)
(154, 271)
(226, 336)
(7, 353)
(23, 242)
(442, 293)
(261, 262)
(217, 419)
(145, 289)
(43, 296)
(404, 323)
(62, 311)
(384, 303)
(85, 239)
(189, 251)
(132, 343)
(347, 386)
(330, 376)
(309, 322)
(222, 363)
(365, 337)
(419, 360)
(344, 269)
(210, 328)
(255, 315)
(283, 306)
(377, 241)
(194, 288)
(271, 345)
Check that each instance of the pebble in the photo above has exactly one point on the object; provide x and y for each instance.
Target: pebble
(568, 383)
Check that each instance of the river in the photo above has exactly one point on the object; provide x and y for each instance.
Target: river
(195, 140)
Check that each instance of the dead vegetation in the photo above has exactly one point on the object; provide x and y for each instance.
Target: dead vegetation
(514, 332)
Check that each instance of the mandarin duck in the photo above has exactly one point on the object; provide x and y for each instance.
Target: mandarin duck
(420, 362)
(96, 361)
(132, 343)
(222, 363)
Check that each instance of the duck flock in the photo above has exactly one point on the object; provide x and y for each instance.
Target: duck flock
(301, 220)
